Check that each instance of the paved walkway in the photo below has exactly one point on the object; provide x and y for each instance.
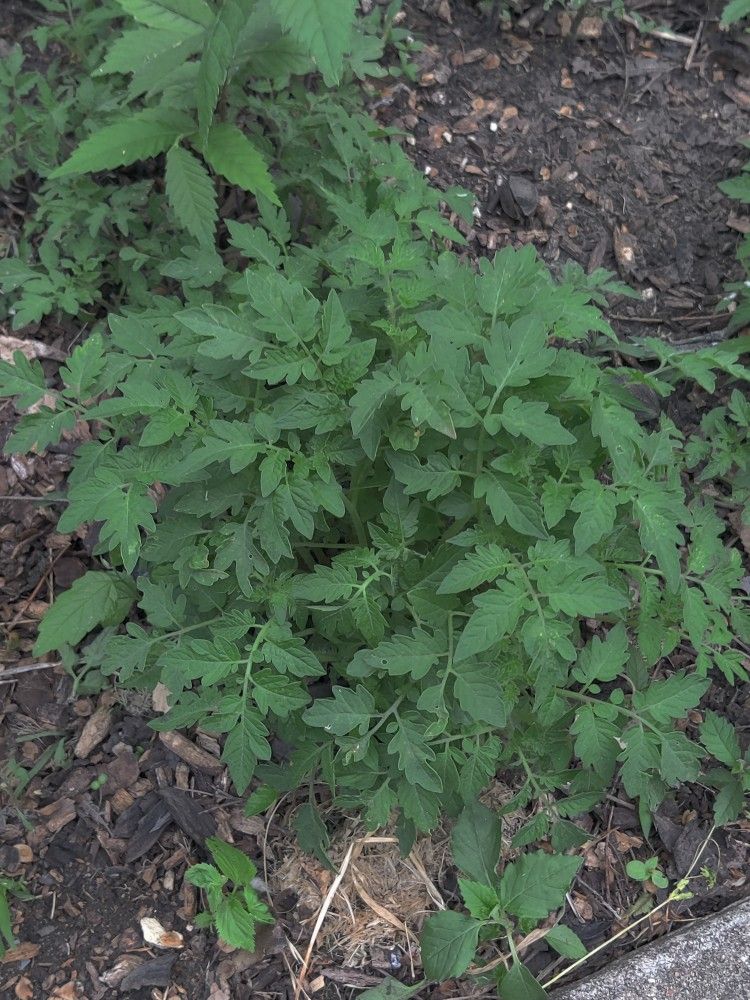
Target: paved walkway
(709, 960)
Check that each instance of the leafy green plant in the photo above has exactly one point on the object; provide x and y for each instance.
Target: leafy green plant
(381, 469)
(647, 871)
(499, 905)
(234, 907)
(355, 492)
(9, 888)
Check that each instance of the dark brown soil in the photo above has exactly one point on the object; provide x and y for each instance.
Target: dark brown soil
(612, 146)
(615, 147)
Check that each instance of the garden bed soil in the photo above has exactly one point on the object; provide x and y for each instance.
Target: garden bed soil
(617, 146)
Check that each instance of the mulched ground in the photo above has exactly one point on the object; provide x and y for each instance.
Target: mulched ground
(610, 150)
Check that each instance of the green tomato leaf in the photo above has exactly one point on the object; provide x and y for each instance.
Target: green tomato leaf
(448, 942)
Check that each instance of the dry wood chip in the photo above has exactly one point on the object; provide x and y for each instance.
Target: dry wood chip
(189, 814)
(160, 937)
(156, 972)
(24, 990)
(191, 754)
(95, 730)
(23, 952)
(53, 818)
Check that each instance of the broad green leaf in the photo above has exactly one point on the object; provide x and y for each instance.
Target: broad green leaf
(596, 506)
(510, 501)
(229, 335)
(517, 353)
(288, 653)
(324, 27)
(566, 942)
(205, 877)
(672, 698)
(582, 596)
(480, 900)
(231, 154)
(534, 422)
(234, 925)
(37, 431)
(232, 862)
(480, 693)
(476, 842)
(497, 614)
(400, 655)
(94, 599)
(83, 367)
(216, 59)
(659, 514)
(730, 802)
(311, 833)
(124, 508)
(735, 11)
(245, 745)
(24, 379)
(260, 800)
(436, 477)
(448, 942)
(414, 756)
(596, 741)
(603, 661)
(679, 759)
(190, 192)
(273, 692)
(483, 565)
(520, 984)
(720, 739)
(349, 709)
(537, 884)
(183, 16)
(391, 989)
(137, 137)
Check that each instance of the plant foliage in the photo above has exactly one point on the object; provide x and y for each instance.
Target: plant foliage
(356, 493)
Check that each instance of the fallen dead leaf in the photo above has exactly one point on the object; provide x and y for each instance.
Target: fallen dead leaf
(626, 841)
(625, 248)
(591, 27)
(69, 991)
(31, 349)
(492, 61)
(566, 80)
(160, 698)
(740, 223)
(124, 965)
(95, 730)
(23, 952)
(24, 990)
(155, 934)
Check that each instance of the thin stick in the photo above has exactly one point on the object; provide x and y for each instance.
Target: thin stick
(647, 916)
(6, 676)
(45, 578)
(321, 917)
(694, 46)
(664, 33)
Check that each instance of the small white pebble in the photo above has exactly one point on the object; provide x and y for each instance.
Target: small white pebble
(464, 161)
(493, 126)
(428, 171)
(647, 294)
(571, 176)
(476, 212)
(447, 136)
(411, 140)
(568, 206)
